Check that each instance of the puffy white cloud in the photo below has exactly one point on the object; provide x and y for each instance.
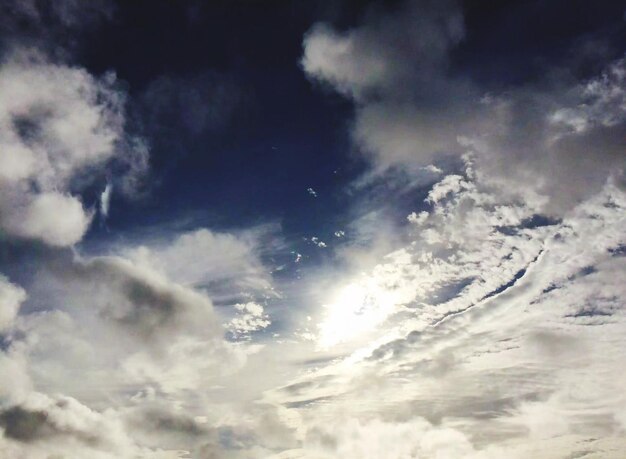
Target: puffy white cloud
(59, 128)
(251, 318)
(560, 138)
(116, 334)
(54, 218)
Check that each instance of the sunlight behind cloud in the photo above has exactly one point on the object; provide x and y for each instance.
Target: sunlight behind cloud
(355, 311)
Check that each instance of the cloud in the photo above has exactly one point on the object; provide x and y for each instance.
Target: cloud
(494, 332)
(105, 201)
(395, 68)
(141, 299)
(60, 128)
(124, 326)
(225, 264)
(372, 58)
(558, 137)
(140, 358)
(252, 318)
(548, 138)
(43, 426)
(321, 244)
(11, 298)
(142, 318)
(54, 218)
(376, 439)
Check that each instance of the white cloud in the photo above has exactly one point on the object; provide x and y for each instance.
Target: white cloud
(368, 59)
(251, 317)
(45, 426)
(125, 326)
(54, 218)
(321, 244)
(501, 329)
(105, 200)
(377, 439)
(11, 298)
(59, 126)
(556, 138)
(224, 264)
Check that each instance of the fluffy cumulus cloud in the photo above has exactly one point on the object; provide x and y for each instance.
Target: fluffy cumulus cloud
(63, 427)
(105, 328)
(156, 332)
(139, 353)
(394, 67)
(559, 137)
(59, 128)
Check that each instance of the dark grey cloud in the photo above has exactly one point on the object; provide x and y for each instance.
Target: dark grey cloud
(24, 425)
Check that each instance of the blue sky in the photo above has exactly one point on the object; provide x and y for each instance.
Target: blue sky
(312, 229)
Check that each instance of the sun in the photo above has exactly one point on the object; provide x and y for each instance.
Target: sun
(354, 311)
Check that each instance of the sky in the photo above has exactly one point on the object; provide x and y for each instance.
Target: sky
(312, 229)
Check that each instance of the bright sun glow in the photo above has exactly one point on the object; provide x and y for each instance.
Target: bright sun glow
(356, 309)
